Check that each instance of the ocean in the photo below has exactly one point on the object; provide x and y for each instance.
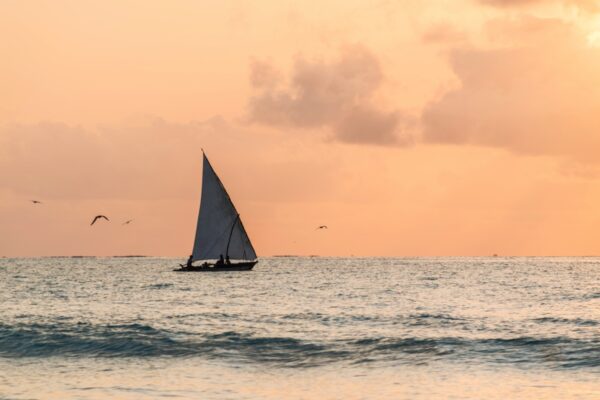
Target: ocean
(301, 328)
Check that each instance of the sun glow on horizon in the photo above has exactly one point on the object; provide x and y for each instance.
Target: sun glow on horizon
(408, 129)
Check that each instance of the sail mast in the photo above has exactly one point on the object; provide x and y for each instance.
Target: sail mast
(231, 233)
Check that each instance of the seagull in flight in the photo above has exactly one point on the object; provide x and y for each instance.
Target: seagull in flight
(97, 217)
(36, 201)
(322, 227)
(127, 222)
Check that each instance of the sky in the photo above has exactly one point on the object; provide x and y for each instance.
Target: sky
(409, 128)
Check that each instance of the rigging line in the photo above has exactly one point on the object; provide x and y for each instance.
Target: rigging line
(230, 234)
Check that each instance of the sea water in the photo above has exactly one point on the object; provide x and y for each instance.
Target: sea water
(301, 328)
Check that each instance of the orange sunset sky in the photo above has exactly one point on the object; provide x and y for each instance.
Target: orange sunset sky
(458, 127)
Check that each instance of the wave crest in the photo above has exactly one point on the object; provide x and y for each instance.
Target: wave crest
(140, 340)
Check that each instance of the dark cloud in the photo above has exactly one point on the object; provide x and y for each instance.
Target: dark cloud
(538, 98)
(336, 95)
(380, 125)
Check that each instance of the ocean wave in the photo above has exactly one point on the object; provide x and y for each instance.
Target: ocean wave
(422, 319)
(159, 286)
(67, 339)
(592, 296)
(573, 321)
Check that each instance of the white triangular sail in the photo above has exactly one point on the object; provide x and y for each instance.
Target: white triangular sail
(220, 230)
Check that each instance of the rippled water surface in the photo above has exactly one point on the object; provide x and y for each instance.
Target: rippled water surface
(323, 328)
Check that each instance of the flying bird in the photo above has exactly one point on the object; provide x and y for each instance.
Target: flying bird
(127, 222)
(322, 227)
(36, 201)
(97, 217)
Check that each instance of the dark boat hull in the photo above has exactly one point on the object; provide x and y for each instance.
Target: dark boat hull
(241, 266)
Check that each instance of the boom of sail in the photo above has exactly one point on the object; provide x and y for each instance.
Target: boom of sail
(219, 231)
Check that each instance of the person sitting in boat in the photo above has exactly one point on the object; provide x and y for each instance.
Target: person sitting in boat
(227, 260)
(221, 260)
(189, 262)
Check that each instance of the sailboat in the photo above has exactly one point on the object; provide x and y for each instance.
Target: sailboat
(221, 242)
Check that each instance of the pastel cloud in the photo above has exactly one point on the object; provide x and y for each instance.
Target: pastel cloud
(120, 161)
(509, 3)
(152, 159)
(336, 95)
(444, 33)
(588, 5)
(540, 97)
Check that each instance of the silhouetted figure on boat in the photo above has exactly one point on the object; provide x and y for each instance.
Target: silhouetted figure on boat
(221, 260)
(189, 262)
(227, 260)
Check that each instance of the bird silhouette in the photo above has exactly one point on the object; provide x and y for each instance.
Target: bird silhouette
(36, 201)
(98, 217)
(322, 227)
(127, 222)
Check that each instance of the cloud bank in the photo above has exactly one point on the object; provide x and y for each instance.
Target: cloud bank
(336, 95)
(154, 159)
(125, 160)
(541, 97)
(536, 91)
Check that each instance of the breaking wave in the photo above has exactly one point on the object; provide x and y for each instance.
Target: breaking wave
(139, 340)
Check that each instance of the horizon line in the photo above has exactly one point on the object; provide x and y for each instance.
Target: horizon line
(311, 256)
